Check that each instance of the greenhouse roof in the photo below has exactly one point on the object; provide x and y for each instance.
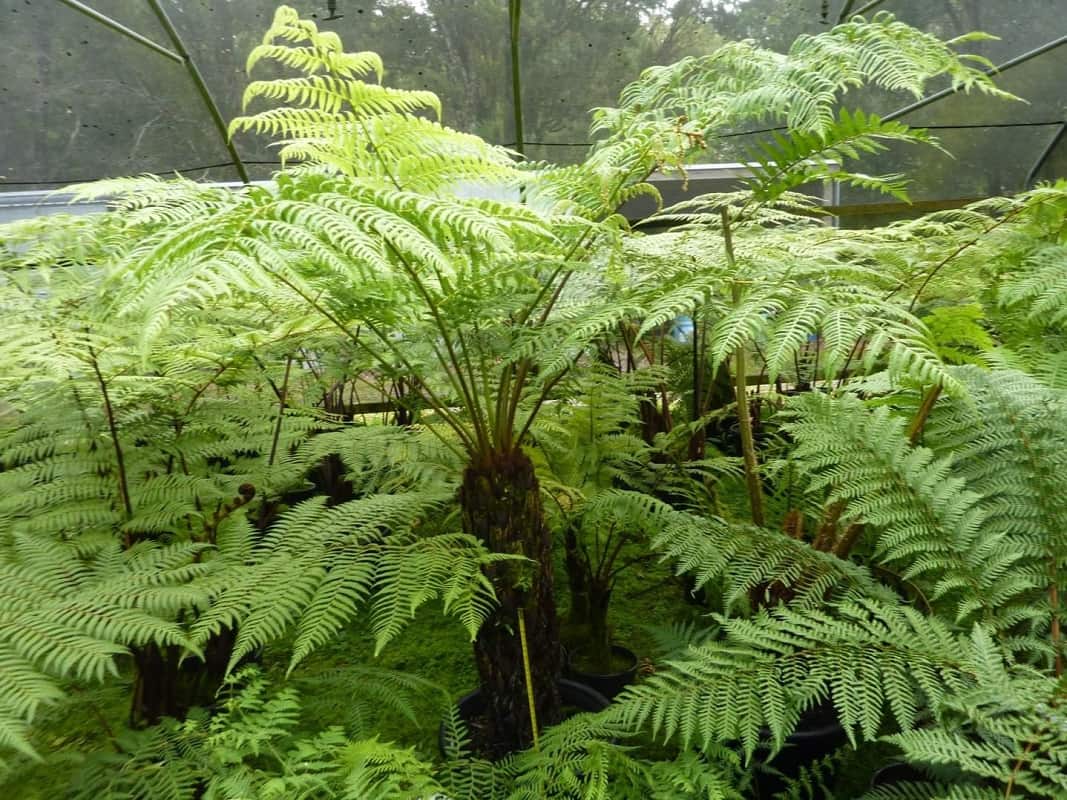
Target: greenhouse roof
(102, 88)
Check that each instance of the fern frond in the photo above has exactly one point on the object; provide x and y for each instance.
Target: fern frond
(862, 655)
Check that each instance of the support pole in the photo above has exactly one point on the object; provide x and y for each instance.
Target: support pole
(514, 17)
(1046, 154)
(201, 87)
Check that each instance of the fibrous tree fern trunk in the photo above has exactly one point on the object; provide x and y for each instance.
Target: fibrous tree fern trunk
(577, 580)
(501, 505)
(590, 587)
(166, 686)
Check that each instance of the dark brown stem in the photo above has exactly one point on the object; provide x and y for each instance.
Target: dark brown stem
(793, 524)
(513, 380)
(270, 381)
(436, 403)
(607, 563)
(95, 710)
(827, 535)
(120, 461)
(203, 388)
(843, 546)
(541, 398)
(577, 577)
(957, 252)
(848, 540)
(855, 352)
(915, 429)
(281, 411)
(1015, 771)
(1054, 602)
(602, 553)
(625, 565)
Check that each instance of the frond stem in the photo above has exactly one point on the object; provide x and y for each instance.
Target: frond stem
(120, 461)
(915, 429)
(438, 405)
(281, 411)
(744, 420)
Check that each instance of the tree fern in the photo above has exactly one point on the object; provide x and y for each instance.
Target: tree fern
(1007, 442)
(253, 748)
(675, 110)
(1009, 739)
(319, 567)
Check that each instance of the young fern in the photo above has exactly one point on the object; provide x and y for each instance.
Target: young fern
(921, 515)
(68, 612)
(871, 660)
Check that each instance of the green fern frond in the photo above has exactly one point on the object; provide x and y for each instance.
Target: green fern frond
(921, 512)
(746, 559)
(865, 657)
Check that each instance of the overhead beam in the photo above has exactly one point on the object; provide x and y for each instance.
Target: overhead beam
(121, 29)
(998, 69)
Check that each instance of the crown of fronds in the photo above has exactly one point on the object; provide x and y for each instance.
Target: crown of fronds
(782, 289)
(923, 516)
(673, 111)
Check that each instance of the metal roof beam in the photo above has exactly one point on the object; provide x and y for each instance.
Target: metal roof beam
(1014, 62)
(119, 28)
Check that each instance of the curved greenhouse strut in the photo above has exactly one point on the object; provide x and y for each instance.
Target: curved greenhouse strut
(1029, 55)
(1046, 154)
(179, 54)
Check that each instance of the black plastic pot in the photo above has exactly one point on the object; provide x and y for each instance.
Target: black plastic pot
(692, 594)
(572, 693)
(609, 684)
(818, 734)
(894, 774)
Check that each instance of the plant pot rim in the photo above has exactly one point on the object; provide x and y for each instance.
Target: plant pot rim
(831, 726)
(572, 687)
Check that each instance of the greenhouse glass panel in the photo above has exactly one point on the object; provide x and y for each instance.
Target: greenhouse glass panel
(83, 102)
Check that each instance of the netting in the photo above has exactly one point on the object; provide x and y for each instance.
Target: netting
(81, 100)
